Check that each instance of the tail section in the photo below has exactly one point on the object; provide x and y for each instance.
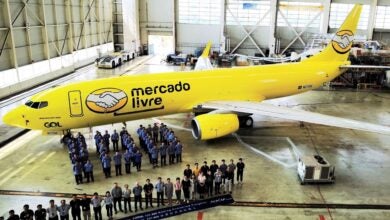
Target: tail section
(204, 62)
(206, 50)
(338, 48)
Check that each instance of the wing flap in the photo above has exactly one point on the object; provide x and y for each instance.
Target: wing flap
(295, 114)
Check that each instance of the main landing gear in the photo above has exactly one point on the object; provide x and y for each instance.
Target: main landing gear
(246, 121)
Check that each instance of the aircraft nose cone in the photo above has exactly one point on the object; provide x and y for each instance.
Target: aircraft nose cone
(13, 118)
(8, 118)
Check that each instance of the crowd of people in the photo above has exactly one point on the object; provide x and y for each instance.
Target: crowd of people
(149, 138)
(79, 157)
(196, 183)
(158, 142)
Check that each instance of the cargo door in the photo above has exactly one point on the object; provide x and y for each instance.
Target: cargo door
(75, 104)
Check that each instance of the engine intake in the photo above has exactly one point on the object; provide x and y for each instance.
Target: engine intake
(210, 126)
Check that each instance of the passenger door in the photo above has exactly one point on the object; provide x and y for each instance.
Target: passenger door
(75, 103)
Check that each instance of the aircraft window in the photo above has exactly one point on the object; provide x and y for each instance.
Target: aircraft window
(43, 104)
(35, 105)
(29, 103)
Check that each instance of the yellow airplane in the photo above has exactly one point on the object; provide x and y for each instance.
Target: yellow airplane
(229, 95)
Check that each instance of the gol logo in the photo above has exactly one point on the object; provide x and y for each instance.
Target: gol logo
(342, 41)
(106, 100)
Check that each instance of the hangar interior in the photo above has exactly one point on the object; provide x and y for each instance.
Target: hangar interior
(45, 43)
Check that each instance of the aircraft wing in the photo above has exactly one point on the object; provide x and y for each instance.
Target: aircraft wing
(364, 67)
(258, 108)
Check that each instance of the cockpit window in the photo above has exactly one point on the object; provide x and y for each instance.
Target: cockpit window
(37, 105)
(43, 104)
(29, 103)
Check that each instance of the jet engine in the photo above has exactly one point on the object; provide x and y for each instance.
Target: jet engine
(209, 126)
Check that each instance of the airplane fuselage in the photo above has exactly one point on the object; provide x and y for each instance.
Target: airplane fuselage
(127, 98)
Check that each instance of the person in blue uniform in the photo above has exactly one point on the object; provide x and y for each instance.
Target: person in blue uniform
(88, 169)
(127, 157)
(118, 163)
(178, 151)
(107, 165)
(115, 140)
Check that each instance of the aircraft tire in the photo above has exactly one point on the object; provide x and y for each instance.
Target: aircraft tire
(248, 122)
(113, 64)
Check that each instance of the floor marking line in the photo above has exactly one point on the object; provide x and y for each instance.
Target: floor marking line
(18, 143)
(36, 166)
(11, 175)
(24, 158)
(262, 153)
(32, 159)
(48, 156)
(5, 171)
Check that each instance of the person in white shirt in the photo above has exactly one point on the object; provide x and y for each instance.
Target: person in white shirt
(126, 198)
(52, 211)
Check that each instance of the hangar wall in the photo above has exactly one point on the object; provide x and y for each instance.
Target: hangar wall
(156, 17)
(44, 39)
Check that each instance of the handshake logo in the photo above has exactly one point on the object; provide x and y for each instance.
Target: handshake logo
(106, 100)
(342, 41)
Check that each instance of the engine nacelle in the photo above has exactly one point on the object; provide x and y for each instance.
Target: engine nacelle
(209, 126)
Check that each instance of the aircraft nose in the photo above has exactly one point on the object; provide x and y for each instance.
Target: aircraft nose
(8, 118)
(14, 118)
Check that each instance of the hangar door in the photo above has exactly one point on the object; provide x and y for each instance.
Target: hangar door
(75, 104)
(160, 44)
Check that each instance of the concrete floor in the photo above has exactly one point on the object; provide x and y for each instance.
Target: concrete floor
(36, 163)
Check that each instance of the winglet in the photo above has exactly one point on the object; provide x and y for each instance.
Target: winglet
(206, 50)
(338, 48)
